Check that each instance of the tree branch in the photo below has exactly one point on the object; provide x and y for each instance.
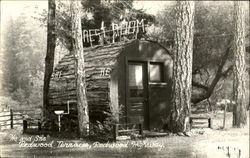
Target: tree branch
(199, 85)
(226, 72)
(219, 74)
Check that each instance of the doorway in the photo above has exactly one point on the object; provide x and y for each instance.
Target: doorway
(146, 93)
(137, 93)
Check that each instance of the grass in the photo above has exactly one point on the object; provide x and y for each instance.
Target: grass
(203, 143)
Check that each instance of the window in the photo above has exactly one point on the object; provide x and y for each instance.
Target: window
(136, 80)
(135, 75)
(156, 72)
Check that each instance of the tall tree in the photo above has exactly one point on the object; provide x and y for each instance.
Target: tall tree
(10, 78)
(182, 68)
(239, 67)
(212, 63)
(49, 59)
(82, 104)
(22, 49)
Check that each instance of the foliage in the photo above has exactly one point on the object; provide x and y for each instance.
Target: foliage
(7, 103)
(104, 130)
(93, 14)
(19, 95)
(23, 53)
(213, 35)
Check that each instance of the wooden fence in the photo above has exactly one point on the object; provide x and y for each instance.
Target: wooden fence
(28, 120)
(11, 119)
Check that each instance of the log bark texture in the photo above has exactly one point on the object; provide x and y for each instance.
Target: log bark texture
(239, 67)
(98, 86)
(182, 68)
(49, 59)
(82, 104)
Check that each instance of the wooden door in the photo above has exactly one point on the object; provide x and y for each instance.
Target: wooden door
(158, 92)
(137, 93)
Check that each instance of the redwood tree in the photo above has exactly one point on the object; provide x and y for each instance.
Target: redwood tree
(49, 59)
(182, 66)
(82, 104)
(239, 67)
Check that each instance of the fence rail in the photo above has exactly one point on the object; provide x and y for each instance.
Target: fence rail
(15, 118)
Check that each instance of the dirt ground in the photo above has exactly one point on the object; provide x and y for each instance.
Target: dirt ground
(202, 143)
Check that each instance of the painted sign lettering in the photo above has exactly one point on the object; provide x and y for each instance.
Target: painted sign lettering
(56, 75)
(125, 28)
(105, 72)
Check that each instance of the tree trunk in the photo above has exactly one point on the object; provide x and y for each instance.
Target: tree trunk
(82, 104)
(49, 59)
(182, 69)
(239, 67)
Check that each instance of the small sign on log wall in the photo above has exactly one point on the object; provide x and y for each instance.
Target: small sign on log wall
(56, 75)
(105, 72)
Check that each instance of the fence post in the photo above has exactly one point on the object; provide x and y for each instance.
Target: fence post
(115, 131)
(191, 122)
(39, 126)
(11, 119)
(140, 129)
(225, 115)
(24, 125)
(210, 122)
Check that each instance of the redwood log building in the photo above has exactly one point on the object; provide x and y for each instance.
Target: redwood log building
(129, 81)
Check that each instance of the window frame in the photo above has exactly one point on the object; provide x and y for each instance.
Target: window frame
(162, 74)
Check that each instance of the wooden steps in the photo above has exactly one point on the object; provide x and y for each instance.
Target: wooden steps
(200, 122)
(120, 133)
(155, 134)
